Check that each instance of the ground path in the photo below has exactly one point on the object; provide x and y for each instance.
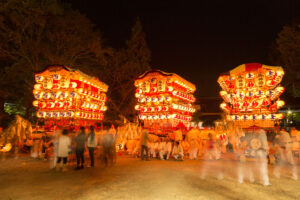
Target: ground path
(25, 178)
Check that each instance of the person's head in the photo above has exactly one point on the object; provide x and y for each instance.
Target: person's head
(65, 132)
(276, 141)
(92, 128)
(242, 139)
(210, 136)
(82, 130)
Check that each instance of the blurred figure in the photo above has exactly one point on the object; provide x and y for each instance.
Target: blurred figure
(210, 162)
(92, 144)
(152, 149)
(144, 145)
(27, 145)
(200, 147)
(55, 137)
(108, 148)
(64, 147)
(177, 152)
(161, 149)
(261, 156)
(80, 147)
(168, 149)
(185, 145)
(296, 141)
(285, 154)
(211, 151)
(155, 148)
(193, 149)
(243, 165)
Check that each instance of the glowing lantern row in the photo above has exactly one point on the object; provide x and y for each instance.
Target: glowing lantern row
(254, 105)
(164, 108)
(183, 96)
(88, 105)
(166, 116)
(180, 95)
(259, 94)
(55, 104)
(155, 99)
(255, 117)
(49, 114)
(84, 115)
(69, 114)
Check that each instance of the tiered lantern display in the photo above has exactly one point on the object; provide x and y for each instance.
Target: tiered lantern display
(66, 96)
(251, 93)
(164, 98)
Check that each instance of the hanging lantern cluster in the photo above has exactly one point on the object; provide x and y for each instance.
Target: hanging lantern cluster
(164, 97)
(253, 90)
(62, 93)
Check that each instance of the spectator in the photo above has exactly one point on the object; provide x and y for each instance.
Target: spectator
(177, 152)
(92, 144)
(80, 146)
(144, 144)
(64, 147)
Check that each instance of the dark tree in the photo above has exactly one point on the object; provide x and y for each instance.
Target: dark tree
(287, 54)
(127, 64)
(38, 33)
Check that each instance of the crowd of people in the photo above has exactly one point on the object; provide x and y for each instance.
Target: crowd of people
(165, 148)
(252, 149)
(64, 147)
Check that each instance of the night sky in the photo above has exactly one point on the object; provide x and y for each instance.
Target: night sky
(199, 40)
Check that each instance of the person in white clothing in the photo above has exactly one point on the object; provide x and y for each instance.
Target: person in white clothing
(177, 152)
(155, 148)
(64, 147)
(161, 149)
(168, 149)
(193, 150)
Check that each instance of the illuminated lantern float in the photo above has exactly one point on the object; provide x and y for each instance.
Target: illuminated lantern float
(251, 95)
(165, 100)
(68, 97)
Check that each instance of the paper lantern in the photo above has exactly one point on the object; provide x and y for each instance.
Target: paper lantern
(35, 103)
(46, 95)
(40, 114)
(56, 76)
(73, 85)
(38, 86)
(137, 107)
(280, 103)
(48, 114)
(39, 78)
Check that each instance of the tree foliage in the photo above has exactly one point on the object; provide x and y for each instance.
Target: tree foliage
(38, 33)
(287, 53)
(126, 65)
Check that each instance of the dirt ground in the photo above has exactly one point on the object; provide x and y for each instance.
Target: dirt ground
(130, 178)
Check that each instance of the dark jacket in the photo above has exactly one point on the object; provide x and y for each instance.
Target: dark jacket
(80, 141)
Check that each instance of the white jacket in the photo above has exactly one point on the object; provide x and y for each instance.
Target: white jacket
(64, 146)
(92, 143)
